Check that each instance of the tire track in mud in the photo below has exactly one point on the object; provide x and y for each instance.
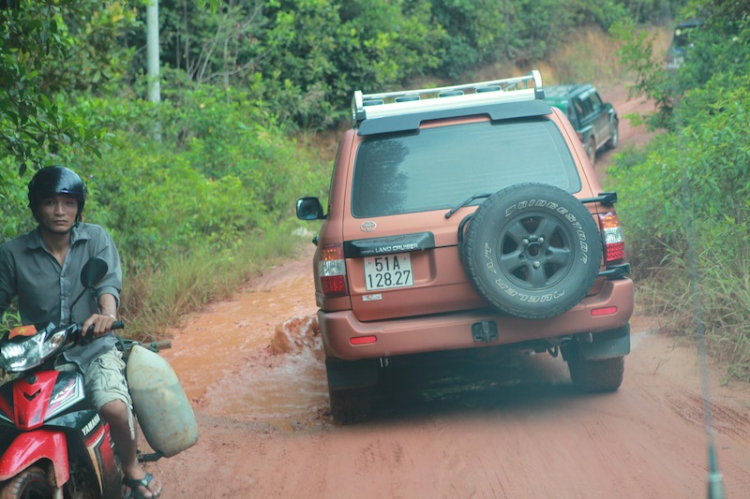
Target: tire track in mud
(691, 408)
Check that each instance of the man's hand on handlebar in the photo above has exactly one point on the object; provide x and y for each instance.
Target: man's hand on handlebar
(100, 324)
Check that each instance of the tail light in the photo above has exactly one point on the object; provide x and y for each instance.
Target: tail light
(612, 237)
(332, 270)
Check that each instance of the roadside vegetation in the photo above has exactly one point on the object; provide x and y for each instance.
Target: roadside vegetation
(198, 189)
(685, 197)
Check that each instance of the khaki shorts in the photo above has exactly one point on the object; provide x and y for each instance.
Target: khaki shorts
(104, 380)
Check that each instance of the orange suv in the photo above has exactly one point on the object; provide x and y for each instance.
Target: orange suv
(466, 217)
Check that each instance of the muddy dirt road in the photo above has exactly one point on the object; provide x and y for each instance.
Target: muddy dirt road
(468, 427)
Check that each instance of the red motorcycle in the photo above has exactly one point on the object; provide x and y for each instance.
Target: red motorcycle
(55, 445)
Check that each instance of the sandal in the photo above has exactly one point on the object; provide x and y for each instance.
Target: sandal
(135, 492)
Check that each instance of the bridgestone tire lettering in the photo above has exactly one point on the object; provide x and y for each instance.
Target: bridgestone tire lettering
(532, 250)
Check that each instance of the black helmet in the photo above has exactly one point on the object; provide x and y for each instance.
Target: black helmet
(53, 180)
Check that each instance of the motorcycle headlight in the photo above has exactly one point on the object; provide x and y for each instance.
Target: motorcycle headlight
(19, 356)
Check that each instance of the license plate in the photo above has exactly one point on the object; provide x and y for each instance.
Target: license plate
(389, 271)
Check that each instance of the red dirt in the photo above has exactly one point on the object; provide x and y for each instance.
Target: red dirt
(630, 136)
(252, 368)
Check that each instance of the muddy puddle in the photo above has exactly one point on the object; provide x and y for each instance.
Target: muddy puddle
(258, 356)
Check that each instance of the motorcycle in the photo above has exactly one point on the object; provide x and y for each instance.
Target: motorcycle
(55, 444)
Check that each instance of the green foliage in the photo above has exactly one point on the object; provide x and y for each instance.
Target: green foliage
(697, 174)
(321, 50)
(725, 292)
(217, 46)
(220, 173)
(156, 299)
(48, 48)
(302, 58)
(29, 119)
(527, 31)
(520, 31)
(536, 27)
(709, 154)
(14, 215)
(719, 46)
(98, 61)
(606, 13)
(473, 28)
(10, 319)
(651, 79)
(722, 41)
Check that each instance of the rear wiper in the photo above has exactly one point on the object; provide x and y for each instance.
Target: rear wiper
(465, 203)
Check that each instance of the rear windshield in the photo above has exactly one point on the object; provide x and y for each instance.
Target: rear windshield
(438, 168)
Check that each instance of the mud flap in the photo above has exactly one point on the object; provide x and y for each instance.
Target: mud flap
(607, 345)
(344, 374)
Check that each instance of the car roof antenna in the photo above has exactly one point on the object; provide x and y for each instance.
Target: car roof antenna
(715, 480)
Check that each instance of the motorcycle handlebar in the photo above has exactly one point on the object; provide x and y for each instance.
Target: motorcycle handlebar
(88, 335)
(161, 345)
(125, 345)
(154, 345)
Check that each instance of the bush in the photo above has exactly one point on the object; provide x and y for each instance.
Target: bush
(697, 177)
(156, 299)
(220, 172)
(15, 217)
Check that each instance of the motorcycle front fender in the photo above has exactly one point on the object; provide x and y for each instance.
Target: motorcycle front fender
(30, 447)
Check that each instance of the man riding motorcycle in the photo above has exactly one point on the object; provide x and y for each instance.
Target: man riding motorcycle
(42, 268)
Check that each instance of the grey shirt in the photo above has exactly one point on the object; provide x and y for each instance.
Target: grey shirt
(46, 290)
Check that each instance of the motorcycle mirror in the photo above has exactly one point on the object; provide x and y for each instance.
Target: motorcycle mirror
(92, 272)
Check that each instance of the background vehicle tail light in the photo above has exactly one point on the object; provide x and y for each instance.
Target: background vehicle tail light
(332, 270)
(612, 237)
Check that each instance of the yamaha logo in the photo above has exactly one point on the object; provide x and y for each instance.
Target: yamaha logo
(368, 226)
(91, 425)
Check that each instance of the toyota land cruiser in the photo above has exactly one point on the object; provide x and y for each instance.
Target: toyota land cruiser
(463, 217)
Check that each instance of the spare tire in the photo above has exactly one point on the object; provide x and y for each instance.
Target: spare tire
(532, 250)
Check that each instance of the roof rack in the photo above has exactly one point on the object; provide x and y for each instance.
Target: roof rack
(521, 88)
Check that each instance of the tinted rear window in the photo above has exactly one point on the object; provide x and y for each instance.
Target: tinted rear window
(438, 168)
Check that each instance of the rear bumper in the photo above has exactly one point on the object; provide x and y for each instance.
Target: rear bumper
(454, 331)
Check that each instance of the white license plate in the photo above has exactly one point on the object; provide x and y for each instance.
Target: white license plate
(389, 271)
